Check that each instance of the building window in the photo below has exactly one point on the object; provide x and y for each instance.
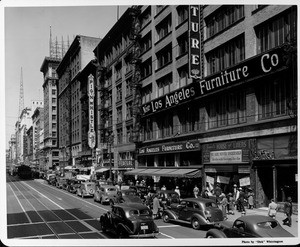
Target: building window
(165, 125)
(128, 110)
(53, 91)
(146, 42)
(148, 129)
(164, 85)
(275, 33)
(228, 109)
(146, 93)
(273, 98)
(223, 18)
(119, 92)
(145, 17)
(146, 68)
(54, 100)
(128, 87)
(119, 114)
(119, 71)
(183, 76)
(164, 56)
(183, 13)
(189, 119)
(120, 136)
(182, 44)
(128, 133)
(163, 28)
(226, 55)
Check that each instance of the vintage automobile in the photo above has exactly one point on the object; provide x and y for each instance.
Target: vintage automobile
(249, 226)
(50, 178)
(197, 211)
(133, 220)
(127, 196)
(104, 193)
(61, 182)
(86, 189)
(73, 184)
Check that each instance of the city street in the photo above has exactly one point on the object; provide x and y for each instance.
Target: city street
(36, 210)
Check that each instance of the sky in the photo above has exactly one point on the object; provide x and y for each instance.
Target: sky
(26, 44)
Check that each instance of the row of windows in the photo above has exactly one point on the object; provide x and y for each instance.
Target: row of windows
(228, 109)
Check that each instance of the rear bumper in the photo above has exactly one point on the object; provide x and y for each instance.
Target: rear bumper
(148, 235)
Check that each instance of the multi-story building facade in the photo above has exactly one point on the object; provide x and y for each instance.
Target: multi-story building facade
(234, 123)
(79, 54)
(116, 97)
(51, 151)
(38, 135)
(29, 139)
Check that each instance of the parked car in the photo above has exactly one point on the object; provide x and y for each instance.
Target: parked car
(132, 220)
(197, 211)
(127, 196)
(73, 184)
(249, 226)
(104, 193)
(61, 182)
(141, 190)
(86, 189)
(50, 178)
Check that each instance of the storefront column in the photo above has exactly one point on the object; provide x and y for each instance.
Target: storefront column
(274, 183)
(256, 187)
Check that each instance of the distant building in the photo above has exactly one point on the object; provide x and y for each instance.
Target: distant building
(37, 130)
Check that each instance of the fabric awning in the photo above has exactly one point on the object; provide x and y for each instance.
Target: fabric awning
(101, 170)
(163, 172)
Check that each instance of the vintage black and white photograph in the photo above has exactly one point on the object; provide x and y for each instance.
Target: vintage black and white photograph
(149, 125)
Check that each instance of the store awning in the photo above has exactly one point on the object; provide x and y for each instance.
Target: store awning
(69, 168)
(187, 173)
(101, 170)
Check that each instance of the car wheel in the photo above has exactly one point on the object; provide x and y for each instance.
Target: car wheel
(210, 236)
(195, 224)
(166, 218)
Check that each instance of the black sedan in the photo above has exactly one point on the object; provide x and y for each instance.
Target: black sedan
(132, 220)
(196, 211)
(249, 226)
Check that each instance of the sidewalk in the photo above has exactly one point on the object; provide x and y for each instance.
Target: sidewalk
(264, 211)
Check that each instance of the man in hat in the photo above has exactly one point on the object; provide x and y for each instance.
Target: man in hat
(241, 201)
(288, 210)
(177, 190)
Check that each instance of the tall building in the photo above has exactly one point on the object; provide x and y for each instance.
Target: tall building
(79, 54)
(51, 151)
(38, 138)
(219, 107)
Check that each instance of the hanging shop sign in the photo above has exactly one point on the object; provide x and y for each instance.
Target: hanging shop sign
(244, 181)
(171, 148)
(210, 179)
(223, 180)
(247, 70)
(91, 94)
(194, 42)
(226, 152)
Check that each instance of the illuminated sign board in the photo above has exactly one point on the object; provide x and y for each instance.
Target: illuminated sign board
(194, 42)
(91, 94)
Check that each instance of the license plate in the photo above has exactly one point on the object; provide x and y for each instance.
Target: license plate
(144, 227)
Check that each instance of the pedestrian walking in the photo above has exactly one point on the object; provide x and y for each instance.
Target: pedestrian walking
(196, 191)
(223, 204)
(231, 203)
(241, 201)
(163, 188)
(288, 210)
(177, 190)
(272, 209)
(156, 207)
(250, 199)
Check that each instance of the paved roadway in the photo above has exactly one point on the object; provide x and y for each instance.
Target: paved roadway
(36, 210)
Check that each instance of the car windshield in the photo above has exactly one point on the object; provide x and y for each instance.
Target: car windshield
(267, 224)
(135, 212)
(210, 205)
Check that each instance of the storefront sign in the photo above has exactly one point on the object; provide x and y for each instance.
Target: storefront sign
(247, 70)
(226, 152)
(223, 180)
(194, 42)
(228, 156)
(174, 147)
(91, 94)
(210, 180)
(244, 181)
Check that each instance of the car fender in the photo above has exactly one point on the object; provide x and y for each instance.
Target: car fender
(123, 227)
(215, 233)
(201, 219)
(171, 214)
